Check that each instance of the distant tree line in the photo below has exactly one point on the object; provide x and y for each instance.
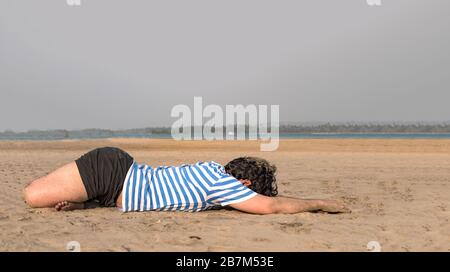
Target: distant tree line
(85, 133)
(284, 129)
(367, 128)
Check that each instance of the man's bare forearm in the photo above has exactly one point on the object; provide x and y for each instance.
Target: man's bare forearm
(294, 205)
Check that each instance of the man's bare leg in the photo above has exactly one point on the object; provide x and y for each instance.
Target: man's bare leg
(62, 189)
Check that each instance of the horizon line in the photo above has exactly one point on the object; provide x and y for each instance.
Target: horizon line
(282, 124)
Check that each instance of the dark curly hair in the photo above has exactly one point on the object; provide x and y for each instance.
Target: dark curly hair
(259, 171)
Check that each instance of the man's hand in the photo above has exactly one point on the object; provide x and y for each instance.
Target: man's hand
(334, 206)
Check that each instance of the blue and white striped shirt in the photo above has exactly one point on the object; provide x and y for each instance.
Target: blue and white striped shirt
(195, 187)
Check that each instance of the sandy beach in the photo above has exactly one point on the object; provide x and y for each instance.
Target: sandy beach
(399, 191)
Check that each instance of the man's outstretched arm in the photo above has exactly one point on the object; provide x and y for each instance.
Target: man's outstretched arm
(261, 204)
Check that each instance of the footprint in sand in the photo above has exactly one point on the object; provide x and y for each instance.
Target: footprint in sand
(427, 228)
(406, 195)
(442, 208)
(378, 208)
(261, 240)
(294, 227)
(382, 227)
(350, 199)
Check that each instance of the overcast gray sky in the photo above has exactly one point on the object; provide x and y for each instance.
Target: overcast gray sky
(125, 64)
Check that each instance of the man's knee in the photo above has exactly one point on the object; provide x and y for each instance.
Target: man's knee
(30, 196)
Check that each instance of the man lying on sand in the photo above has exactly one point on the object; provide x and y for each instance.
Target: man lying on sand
(110, 177)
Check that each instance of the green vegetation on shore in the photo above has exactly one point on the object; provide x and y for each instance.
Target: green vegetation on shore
(284, 129)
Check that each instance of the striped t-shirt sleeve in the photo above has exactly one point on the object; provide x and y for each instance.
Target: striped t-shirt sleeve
(228, 190)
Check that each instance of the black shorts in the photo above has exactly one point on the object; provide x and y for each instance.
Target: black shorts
(103, 172)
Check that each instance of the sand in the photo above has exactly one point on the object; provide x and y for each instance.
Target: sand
(399, 191)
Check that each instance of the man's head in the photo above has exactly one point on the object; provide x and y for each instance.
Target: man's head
(256, 173)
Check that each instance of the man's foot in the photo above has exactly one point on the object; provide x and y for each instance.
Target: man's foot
(68, 206)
